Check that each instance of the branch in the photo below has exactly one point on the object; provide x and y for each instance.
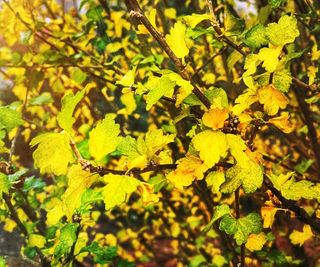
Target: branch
(302, 215)
(14, 216)
(136, 12)
(216, 27)
(309, 121)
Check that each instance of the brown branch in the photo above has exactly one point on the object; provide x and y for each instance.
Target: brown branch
(136, 12)
(309, 121)
(216, 27)
(14, 216)
(302, 215)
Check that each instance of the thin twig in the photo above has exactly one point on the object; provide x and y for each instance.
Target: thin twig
(136, 12)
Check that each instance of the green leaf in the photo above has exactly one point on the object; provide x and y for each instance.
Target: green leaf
(102, 255)
(44, 98)
(3, 262)
(67, 238)
(304, 165)
(197, 261)
(232, 24)
(4, 184)
(9, 118)
(158, 87)
(53, 153)
(276, 3)
(214, 94)
(118, 188)
(103, 139)
(95, 13)
(241, 228)
(32, 183)
(197, 32)
(283, 32)
(218, 213)
(256, 36)
(69, 103)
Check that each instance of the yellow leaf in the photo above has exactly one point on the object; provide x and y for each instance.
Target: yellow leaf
(245, 100)
(152, 18)
(176, 40)
(103, 139)
(282, 122)
(298, 238)
(214, 180)
(194, 19)
(312, 73)
(78, 181)
(256, 241)
(268, 214)
(188, 169)
(128, 79)
(270, 57)
(69, 103)
(237, 147)
(9, 225)
(118, 189)
(272, 99)
(55, 214)
(147, 193)
(53, 153)
(212, 145)
(215, 118)
(36, 241)
(129, 101)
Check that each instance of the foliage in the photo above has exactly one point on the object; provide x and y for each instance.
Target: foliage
(161, 133)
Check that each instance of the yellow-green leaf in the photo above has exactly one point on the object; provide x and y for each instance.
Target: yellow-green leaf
(78, 181)
(69, 103)
(176, 40)
(283, 32)
(158, 87)
(118, 189)
(4, 184)
(194, 19)
(212, 145)
(53, 153)
(103, 139)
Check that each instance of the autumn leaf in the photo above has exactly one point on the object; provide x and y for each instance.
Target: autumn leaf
(103, 139)
(282, 122)
(53, 154)
(215, 118)
(188, 169)
(283, 32)
(255, 242)
(272, 99)
(298, 238)
(117, 189)
(69, 103)
(212, 145)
